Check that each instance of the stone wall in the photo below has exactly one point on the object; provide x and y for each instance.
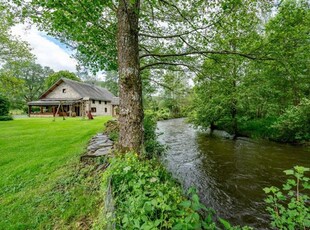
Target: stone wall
(105, 108)
(63, 91)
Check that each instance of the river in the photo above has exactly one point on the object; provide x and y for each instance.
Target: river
(229, 175)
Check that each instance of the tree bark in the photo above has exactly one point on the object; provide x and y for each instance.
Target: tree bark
(130, 85)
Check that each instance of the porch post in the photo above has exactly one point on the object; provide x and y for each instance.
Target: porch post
(29, 110)
(53, 109)
(70, 110)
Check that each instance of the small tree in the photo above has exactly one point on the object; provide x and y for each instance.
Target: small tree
(4, 109)
(4, 106)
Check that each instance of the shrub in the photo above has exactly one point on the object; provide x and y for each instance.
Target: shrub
(289, 207)
(4, 106)
(163, 114)
(146, 197)
(294, 124)
(112, 130)
(151, 144)
(6, 118)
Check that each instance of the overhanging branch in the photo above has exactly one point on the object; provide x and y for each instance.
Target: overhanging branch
(224, 52)
(165, 63)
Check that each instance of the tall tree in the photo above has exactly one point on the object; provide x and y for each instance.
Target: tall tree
(32, 76)
(11, 49)
(52, 78)
(149, 34)
(218, 85)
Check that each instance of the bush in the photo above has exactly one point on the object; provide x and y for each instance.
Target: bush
(163, 114)
(256, 128)
(112, 130)
(6, 118)
(4, 106)
(151, 144)
(289, 207)
(146, 197)
(294, 124)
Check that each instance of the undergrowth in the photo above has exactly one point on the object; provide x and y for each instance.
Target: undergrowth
(147, 197)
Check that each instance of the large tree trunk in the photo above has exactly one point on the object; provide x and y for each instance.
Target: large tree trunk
(130, 85)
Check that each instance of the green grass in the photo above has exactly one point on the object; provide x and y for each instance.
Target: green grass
(42, 183)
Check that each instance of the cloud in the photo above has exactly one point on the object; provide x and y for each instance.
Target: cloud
(47, 51)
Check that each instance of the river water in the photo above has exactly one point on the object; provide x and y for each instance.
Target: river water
(228, 175)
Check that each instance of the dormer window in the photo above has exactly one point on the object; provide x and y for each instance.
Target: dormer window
(64, 90)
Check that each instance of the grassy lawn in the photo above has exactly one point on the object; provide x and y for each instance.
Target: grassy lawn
(42, 183)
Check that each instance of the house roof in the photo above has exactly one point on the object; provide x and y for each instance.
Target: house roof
(44, 103)
(84, 90)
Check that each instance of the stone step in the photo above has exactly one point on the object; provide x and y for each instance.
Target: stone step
(99, 145)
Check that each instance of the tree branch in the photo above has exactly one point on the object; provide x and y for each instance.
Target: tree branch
(173, 35)
(225, 52)
(161, 84)
(165, 63)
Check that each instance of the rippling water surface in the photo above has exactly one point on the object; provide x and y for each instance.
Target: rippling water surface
(229, 175)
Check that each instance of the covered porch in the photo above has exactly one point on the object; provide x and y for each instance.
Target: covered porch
(45, 108)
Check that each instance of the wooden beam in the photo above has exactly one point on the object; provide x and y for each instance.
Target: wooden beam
(29, 110)
(63, 112)
(57, 111)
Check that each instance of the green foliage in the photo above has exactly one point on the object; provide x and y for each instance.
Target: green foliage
(289, 206)
(12, 49)
(147, 198)
(13, 88)
(6, 118)
(256, 128)
(52, 78)
(111, 82)
(294, 124)
(245, 97)
(114, 136)
(152, 146)
(4, 106)
(112, 130)
(162, 114)
(24, 81)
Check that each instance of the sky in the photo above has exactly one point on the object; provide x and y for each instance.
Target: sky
(48, 51)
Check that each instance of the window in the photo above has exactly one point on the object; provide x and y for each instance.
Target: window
(105, 110)
(93, 109)
(105, 102)
(64, 90)
(99, 102)
(93, 101)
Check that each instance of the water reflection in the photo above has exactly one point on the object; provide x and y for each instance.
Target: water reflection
(229, 175)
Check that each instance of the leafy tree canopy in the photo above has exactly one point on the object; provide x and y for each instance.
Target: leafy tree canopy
(28, 77)
(172, 33)
(11, 49)
(51, 79)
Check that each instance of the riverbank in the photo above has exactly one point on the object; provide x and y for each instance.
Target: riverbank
(146, 197)
(229, 175)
